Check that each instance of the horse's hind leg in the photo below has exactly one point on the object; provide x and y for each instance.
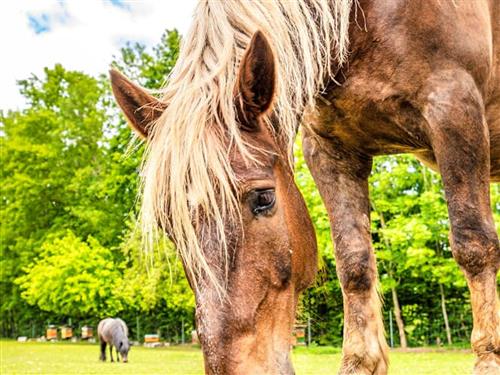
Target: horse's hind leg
(342, 179)
(459, 136)
(103, 350)
(111, 352)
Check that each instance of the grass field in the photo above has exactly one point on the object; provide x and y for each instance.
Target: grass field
(70, 358)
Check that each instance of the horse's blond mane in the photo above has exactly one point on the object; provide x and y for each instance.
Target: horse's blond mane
(186, 172)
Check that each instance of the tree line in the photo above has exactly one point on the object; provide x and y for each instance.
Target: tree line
(70, 248)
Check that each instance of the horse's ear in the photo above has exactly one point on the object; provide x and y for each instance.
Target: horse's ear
(256, 79)
(140, 108)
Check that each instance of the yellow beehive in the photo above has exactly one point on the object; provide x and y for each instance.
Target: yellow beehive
(87, 332)
(66, 333)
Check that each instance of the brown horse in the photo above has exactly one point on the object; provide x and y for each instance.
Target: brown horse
(420, 77)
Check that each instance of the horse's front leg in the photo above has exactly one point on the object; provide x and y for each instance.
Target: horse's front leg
(111, 352)
(454, 111)
(342, 179)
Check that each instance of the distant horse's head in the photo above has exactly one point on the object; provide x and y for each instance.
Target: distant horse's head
(254, 248)
(123, 346)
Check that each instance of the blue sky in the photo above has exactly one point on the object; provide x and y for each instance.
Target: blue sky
(80, 34)
(39, 23)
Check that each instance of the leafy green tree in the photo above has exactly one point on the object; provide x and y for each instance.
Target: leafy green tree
(48, 151)
(149, 69)
(410, 226)
(65, 167)
(75, 278)
(156, 289)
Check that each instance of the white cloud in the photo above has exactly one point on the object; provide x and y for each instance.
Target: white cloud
(84, 35)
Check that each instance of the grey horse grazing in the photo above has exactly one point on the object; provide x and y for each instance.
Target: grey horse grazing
(113, 332)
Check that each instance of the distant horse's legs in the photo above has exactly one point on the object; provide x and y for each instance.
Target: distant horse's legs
(111, 352)
(103, 351)
(341, 178)
(460, 140)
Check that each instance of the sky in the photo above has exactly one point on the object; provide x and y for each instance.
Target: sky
(82, 35)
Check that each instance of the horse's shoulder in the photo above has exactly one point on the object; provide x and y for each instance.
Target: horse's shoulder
(123, 324)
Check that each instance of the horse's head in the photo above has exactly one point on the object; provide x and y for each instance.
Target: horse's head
(270, 245)
(123, 347)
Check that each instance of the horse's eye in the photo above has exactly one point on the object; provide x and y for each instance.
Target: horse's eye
(261, 201)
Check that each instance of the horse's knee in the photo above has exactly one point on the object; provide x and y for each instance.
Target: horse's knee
(476, 249)
(357, 270)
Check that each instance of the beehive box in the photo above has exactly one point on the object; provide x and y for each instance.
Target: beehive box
(151, 338)
(87, 332)
(51, 333)
(66, 333)
(299, 335)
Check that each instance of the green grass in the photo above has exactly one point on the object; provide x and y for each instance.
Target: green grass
(70, 358)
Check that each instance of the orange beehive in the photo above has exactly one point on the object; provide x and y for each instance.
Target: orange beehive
(151, 338)
(51, 333)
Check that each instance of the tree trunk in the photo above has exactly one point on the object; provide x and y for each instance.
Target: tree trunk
(395, 301)
(445, 314)
(399, 319)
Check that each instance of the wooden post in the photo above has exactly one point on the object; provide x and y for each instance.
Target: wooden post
(138, 329)
(182, 330)
(308, 329)
(391, 332)
(445, 314)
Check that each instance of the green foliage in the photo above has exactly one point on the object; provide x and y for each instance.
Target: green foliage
(156, 280)
(47, 179)
(69, 181)
(149, 69)
(410, 232)
(74, 278)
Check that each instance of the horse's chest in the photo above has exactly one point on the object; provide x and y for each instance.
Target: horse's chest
(370, 117)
